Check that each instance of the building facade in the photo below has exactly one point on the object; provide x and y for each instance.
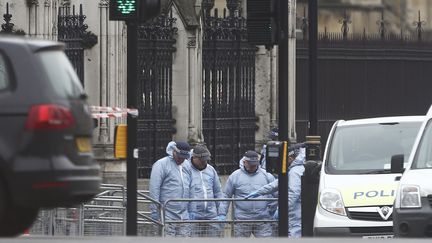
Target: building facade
(103, 66)
(216, 88)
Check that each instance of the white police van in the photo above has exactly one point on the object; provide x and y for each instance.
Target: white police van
(357, 185)
(413, 204)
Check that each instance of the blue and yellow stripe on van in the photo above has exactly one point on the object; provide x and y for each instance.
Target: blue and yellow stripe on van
(369, 195)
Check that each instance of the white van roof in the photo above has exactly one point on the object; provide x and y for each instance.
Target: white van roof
(382, 120)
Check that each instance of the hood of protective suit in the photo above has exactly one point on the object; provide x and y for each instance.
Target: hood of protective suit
(170, 148)
(299, 160)
(239, 185)
(167, 181)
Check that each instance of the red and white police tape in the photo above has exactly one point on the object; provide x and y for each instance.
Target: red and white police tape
(111, 112)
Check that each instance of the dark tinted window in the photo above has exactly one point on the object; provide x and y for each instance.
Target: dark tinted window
(61, 74)
(4, 74)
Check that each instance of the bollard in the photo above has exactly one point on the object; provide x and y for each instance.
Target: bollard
(310, 183)
(313, 148)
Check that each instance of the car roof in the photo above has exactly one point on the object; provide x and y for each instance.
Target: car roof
(380, 120)
(34, 44)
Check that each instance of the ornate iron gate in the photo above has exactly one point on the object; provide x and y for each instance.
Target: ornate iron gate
(73, 32)
(365, 75)
(228, 86)
(155, 122)
(8, 26)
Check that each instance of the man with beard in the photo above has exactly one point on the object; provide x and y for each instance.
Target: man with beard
(204, 183)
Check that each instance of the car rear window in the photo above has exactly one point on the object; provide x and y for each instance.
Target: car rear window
(61, 74)
(4, 74)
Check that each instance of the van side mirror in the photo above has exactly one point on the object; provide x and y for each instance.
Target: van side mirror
(397, 163)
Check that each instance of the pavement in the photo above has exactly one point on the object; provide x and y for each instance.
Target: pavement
(31, 239)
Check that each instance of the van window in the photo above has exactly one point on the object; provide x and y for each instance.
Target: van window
(423, 157)
(369, 148)
(61, 74)
(4, 74)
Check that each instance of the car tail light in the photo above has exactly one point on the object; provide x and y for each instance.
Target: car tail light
(49, 117)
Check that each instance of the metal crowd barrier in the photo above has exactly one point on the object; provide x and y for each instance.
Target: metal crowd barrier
(218, 228)
(105, 215)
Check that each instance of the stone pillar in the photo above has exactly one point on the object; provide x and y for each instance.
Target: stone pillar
(292, 70)
(106, 73)
(120, 65)
(106, 76)
(54, 14)
(266, 93)
(428, 14)
(115, 70)
(181, 84)
(195, 88)
(243, 5)
(274, 118)
(103, 68)
(262, 94)
(33, 18)
(46, 24)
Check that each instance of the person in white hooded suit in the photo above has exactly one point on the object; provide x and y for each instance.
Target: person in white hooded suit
(204, 183)
(250, 177)
(296, 159)
(168, 181)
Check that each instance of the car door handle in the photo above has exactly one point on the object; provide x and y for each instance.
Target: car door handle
(83, 96)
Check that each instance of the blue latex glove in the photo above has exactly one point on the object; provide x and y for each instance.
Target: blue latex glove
(192, 216)
(252, 195)
(154, 215)
(276, 215)
(221, 217)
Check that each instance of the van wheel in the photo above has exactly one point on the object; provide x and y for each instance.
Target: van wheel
(14, 220)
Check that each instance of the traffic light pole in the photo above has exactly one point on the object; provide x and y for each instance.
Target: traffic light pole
(132, 173)
(133, 12)
(283, 114)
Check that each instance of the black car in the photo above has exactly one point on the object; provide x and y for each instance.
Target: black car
(46, 157)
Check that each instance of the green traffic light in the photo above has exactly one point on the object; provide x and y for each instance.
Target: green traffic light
(126, 6)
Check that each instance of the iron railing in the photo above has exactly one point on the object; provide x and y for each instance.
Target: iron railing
(364, 74)
(155, 59)
(229, 121)
(73, 32)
